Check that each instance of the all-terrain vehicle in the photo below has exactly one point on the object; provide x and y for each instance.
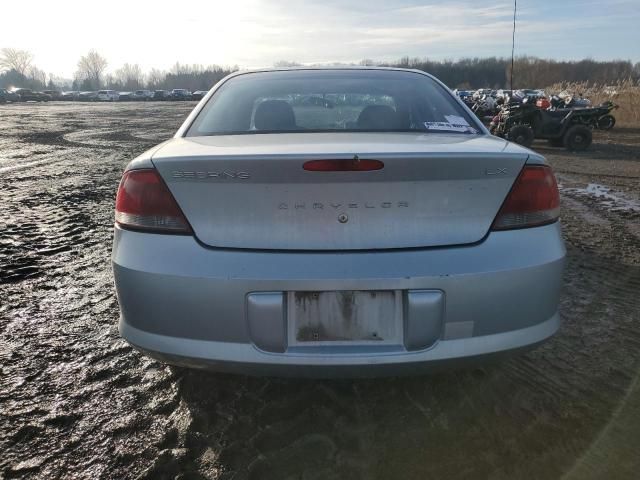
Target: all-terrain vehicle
(522, 123)
(599, 117)
(604, 120)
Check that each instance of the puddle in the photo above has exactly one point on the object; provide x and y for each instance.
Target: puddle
(608, 198)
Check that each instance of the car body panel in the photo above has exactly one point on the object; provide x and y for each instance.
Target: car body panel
(53, 94)
(8, 96)
(255, 186)
(142, 95)
(161, 95)
(180, 94)
(246, 359)
(173, 291)
(199, 94)
(69, 95)
(28, 95)
(88, 96)
(107, 96)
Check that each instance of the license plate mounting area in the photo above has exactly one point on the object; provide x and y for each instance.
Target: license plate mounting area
(344, 317)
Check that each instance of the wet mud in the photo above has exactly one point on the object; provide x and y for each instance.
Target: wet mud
(77, 402)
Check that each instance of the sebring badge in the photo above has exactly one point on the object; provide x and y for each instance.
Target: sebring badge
(211, 175)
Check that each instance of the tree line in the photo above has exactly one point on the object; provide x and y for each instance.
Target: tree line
(528, 72)
(17, 69)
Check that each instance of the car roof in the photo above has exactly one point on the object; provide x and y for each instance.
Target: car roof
(334, 68)
(329, 68)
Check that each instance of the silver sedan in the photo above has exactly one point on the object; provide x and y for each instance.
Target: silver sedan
(331, 222)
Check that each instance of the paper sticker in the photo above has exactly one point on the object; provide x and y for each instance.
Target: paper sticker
(456, 120)
(448, 127)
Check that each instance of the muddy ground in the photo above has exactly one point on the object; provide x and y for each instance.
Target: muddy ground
(77, 402)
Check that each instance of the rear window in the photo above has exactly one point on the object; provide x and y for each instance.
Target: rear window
(331, 100)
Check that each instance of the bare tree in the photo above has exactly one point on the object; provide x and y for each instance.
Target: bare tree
(155, 78)
(286, 63)
(37, 75)
(15, 59)
(91, 67)
(129, 76)
(110, 81)
(186, 69)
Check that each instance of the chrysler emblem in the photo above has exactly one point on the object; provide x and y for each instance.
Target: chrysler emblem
(343, 218)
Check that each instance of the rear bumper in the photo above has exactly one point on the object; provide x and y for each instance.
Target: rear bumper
(248, 360)
(186, 304)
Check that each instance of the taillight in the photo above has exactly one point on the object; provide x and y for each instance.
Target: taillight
(145, 203)
(533, 200)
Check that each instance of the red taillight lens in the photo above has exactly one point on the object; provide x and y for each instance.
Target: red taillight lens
(144, 202)
(351, 165)
(533, 200)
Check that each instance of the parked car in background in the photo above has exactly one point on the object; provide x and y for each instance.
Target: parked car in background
(108, 96)
(69, 95)
(199, 94)
(142, 95)
(275, 236)
(125, 96)
(180, 94)
(54, 94)
(463, 94)
(28, 95)
(8, 96)
(161, 95)
(88, 96)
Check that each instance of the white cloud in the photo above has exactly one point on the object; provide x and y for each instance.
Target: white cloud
(253, 33)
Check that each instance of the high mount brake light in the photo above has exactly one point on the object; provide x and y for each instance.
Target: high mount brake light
(351, 165)
(533, 200)
(144, 202)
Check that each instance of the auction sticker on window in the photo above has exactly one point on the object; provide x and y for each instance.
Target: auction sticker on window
(456, 120)
(449, 127)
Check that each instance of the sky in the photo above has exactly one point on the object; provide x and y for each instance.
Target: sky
(258, 33)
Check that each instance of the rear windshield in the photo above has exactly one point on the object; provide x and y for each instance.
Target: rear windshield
(331, 100)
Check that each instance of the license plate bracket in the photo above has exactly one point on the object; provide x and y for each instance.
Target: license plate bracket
(344, 317)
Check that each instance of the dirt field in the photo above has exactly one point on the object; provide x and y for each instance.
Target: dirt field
(77, 402)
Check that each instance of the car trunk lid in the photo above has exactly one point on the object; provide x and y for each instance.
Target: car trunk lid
(252, 191)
